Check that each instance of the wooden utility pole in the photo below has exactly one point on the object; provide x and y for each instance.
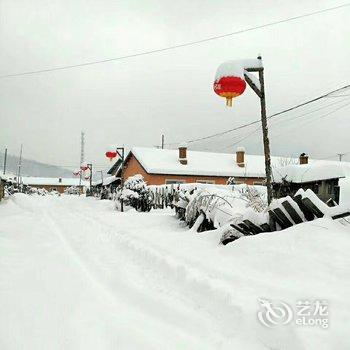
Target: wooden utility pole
(340, 156)
(90, 182)
(5, 161)
(121, 152)
(19, 165)
(260, 91)
(162, 141)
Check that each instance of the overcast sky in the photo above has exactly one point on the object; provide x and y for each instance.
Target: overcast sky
(134, 101)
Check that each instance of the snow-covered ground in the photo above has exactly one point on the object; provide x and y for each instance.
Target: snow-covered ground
(75, 274)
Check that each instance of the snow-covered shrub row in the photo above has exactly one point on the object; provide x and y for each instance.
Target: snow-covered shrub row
(15, 188)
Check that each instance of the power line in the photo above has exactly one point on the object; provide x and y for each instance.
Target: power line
(173, 47)
(318, 117)
(259, 120)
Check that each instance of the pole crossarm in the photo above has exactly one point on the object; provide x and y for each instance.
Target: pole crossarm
(252, 85)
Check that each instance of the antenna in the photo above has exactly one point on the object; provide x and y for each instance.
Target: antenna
(19, 165)
(82, 154)
(82, 147)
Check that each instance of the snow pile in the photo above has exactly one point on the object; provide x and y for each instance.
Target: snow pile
(74, 274)
(209, 208)
(236, 68)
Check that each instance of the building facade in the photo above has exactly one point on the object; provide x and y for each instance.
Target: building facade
(164, 166)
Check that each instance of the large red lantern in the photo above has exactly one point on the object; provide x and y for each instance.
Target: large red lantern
(111, 155)
(84, 167)
(229, 87)
(229, 80)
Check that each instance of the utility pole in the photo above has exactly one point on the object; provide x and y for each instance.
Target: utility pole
(19, 165)
(5, 161)
(90, 167)
(121, 152)
(261, 93)
(162, 141)
(82, 156)
(100, 171)
(340, 156)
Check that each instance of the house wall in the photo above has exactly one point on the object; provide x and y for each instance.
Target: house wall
(133, 167)
(324, 189)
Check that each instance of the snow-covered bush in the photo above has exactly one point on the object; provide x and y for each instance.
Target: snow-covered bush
(254, 199)
(72, 190)
(135, 193)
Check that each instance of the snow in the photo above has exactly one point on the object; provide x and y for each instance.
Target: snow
(76, 274)
(166, 161)
(308, 172)
(65, 181)
(236, 68)
(106, 180)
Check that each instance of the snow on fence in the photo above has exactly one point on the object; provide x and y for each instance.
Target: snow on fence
(241, 210)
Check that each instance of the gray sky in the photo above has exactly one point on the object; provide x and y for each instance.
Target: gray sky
(134, 101)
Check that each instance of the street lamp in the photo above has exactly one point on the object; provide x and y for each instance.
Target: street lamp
(231, 88)
(120, 151)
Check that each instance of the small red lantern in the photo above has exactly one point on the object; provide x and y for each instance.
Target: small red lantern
(84, 167)
(76, 172)
(229, 87)
(111, 155)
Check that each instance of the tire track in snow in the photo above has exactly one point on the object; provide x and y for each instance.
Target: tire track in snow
(166, 314)
(192, 287)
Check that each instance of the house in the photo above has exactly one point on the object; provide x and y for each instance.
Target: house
(321, 177)
(166, 166)
(58, 184)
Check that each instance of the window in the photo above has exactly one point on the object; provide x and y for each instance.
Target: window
(174, 181)
(204, 181)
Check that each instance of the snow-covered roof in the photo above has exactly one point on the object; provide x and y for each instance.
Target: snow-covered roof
(106, 180)
(309, 172)
(166, 161)
(52, 181)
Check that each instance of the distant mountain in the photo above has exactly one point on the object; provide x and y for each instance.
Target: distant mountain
(32, 168)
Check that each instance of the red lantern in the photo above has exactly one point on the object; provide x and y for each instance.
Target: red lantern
(76, 172)
(84, 167)
(111, 155)
(229, 87)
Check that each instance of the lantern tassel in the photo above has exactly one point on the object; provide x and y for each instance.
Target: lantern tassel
(229, 102)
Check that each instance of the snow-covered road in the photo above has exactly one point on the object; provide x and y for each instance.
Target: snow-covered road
(75, 274)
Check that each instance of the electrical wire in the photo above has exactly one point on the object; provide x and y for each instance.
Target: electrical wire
(173, 47)
(259, 120)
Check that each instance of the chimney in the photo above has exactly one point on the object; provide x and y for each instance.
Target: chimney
(303, 158)
(183, 153)
(240, 156)
(59, 179)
